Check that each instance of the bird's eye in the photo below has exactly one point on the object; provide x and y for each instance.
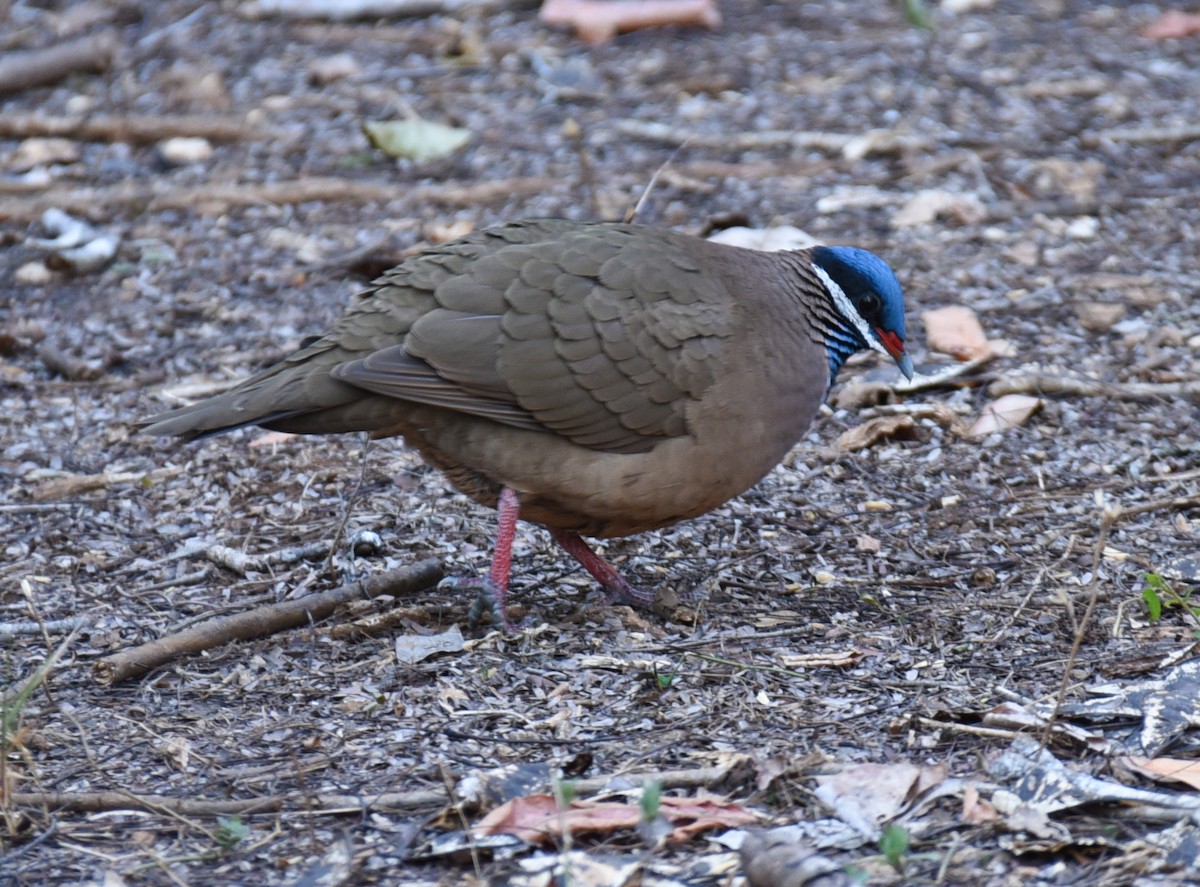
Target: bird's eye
(869, 303)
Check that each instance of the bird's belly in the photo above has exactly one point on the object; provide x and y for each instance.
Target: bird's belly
(565, 486)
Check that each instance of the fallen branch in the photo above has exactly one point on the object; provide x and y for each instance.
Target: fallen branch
(1057, 383)
(1141, 135)
(40, 67)
(241, 563)
(262, 621)
(215, 199)
(324, 804)
(10, 630)
(134, 129)
(97, 802)
(855, 146)
(349, 10)
(831, 142)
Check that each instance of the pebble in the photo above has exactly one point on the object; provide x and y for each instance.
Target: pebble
(185, 150)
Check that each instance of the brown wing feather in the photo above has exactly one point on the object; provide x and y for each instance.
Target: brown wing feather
(602, 334)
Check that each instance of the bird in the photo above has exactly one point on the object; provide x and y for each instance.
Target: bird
(599, 379)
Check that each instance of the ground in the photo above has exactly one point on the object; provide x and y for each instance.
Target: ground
(897, 613)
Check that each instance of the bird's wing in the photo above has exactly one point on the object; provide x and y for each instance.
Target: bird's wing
(601, 334)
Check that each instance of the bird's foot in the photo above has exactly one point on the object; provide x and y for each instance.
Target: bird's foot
(621, 592)
(489, 598)
(616, 588)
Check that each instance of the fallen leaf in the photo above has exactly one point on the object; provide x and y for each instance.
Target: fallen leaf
(927, 206)
(871, 432)
(415, 139)
(956, 330)
(1172, 25)
(975, 810)
(844, 659)
(1003, 413)
(867, 795)
(598, 21)
(413, 648)
(1185, 770)
(537, 818)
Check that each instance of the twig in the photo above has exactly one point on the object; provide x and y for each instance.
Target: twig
(39, 67)
(1108, 516)
(241, 563)
(262, 621)
(1136, 134)
(641, 201)
(1173, 503)
(321, 804)
(742, 141)
(215, 199)
(829, 142)
(348, 10)
(9, 630)
(135, 129)
(1059, 383)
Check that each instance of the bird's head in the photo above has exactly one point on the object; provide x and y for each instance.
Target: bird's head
(868, 297)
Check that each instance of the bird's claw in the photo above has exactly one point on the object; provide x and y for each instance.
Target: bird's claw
(488, 598)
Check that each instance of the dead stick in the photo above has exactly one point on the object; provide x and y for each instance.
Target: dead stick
(39, 67)
(213, 199)
(320, 804)
(134, 129)
(95, 802)
(261, 621)
(1051, 383)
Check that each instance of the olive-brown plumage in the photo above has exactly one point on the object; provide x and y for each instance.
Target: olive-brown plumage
(616, 378)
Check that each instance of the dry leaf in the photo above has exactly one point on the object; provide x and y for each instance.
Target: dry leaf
(844, 659)
(867, 795)
(413, 648)
(415, 139)
(598, 21)
(537, 818)
(871, 432)
(925, 207)
(1172, 25)
(1185, 770)
(976, 810)
(1009, 411)
(956, 330)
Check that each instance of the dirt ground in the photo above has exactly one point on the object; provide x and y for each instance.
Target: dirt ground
(864, 638)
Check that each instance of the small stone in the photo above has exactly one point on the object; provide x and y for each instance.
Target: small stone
(184, 150)
(33, 274)
(1084, 228)
(1025, 253)
(36, 152)
(333, 67)
(1099, 317)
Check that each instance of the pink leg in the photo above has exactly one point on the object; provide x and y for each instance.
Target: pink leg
(605, 573)
(493, 589)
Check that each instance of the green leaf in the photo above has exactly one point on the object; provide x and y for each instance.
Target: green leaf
(231, 831)
(893, 844)
(651, 800)
(1153, 603)
(918, 15)
(416, 139)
